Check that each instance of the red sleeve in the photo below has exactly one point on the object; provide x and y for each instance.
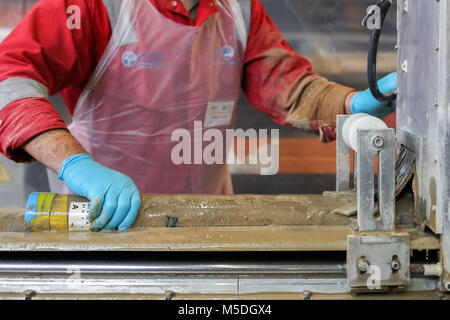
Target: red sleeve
(43, 48)
(272, 68)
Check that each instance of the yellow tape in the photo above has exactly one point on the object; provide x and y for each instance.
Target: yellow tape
(42, 220)
(59, 213)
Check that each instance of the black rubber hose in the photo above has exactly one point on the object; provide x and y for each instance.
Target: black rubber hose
(372, 57)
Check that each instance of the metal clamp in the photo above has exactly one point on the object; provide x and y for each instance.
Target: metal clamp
(373, 143)
(377, 262)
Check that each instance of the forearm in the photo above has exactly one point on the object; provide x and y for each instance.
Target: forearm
(52, 147)
(318, 102)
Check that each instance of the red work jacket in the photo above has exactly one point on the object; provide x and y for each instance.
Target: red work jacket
(44, 49)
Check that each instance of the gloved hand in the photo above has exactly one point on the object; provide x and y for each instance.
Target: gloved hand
(111, 193)
(364, 101)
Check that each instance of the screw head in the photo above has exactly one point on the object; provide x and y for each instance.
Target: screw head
(395, 265)
(307, 294)
(363, 265)
(29, 294)
(378, 142)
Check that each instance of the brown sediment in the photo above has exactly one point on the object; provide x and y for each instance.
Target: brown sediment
(225, 211)
(214, 223)
(242, 210)
(236, 210)
(12, 220)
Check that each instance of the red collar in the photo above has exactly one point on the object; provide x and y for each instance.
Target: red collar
(175, 10)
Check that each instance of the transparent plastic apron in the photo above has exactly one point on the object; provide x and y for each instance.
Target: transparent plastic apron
(157, 76)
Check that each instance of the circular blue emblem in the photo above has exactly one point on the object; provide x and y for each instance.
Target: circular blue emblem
(129, 59)
(228, 53)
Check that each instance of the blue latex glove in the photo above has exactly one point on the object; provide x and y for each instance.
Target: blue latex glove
(111, 193)
(364, 102)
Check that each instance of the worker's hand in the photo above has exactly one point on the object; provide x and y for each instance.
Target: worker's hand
(364, 101)
(115, 199)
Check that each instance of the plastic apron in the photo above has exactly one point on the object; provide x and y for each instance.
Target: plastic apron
(157, 76)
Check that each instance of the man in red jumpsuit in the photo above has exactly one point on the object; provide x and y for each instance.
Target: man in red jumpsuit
(131, 73)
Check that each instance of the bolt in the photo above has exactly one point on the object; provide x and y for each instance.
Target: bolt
(436, 104)
(378, 142)
(169, 295)
(417, 269)
(433, 207)
(307, 294)
(395, 264)
(396, 47)
(363, 265)
(436, 48)
(29, 294)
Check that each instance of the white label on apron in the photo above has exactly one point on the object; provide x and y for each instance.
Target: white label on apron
(219, 114)
(79, 216)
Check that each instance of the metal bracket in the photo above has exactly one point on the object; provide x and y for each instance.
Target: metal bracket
(370, 144)
(343, 153)
(378, 262)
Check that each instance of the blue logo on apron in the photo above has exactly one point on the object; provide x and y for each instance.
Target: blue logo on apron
(129, 59)
(227, 53)
(151, 60)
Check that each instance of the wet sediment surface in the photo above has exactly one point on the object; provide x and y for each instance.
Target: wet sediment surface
(224, 211)
(217, 223)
